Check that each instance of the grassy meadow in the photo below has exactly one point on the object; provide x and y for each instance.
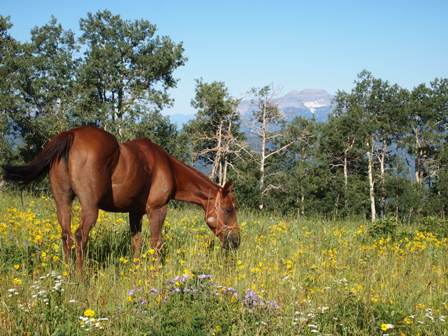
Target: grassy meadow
(290, 277)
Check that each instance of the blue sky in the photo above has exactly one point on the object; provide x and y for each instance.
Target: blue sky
(292, 44)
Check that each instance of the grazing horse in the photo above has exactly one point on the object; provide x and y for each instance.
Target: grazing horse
(137, 177)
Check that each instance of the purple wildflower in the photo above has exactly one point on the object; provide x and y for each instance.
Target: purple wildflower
(204, 276)
(179, 278)
(273, 304)
(174, 290)
(230, 290)
(251, 299)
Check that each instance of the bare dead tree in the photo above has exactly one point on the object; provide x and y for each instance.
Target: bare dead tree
(266, 115)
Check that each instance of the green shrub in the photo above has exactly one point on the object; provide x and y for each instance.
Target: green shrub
(384, 227)
(435, 225)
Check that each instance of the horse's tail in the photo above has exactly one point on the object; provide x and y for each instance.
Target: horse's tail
(57, 148)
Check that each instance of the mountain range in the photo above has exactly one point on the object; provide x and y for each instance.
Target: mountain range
(308, 103)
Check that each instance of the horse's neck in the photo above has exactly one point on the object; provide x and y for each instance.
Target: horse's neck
(192, 186)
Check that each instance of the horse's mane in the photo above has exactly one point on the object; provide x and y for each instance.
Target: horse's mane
(193, 171)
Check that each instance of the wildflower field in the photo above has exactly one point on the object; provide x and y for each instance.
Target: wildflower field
(289, 277)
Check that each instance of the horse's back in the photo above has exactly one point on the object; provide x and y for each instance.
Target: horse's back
(89, 139)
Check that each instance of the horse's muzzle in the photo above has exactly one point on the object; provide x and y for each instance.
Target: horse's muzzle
(231, 240)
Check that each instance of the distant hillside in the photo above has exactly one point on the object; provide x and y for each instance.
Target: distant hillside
(309, 103)
(306, 103)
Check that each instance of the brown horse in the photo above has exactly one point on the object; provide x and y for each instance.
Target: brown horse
(137, 177)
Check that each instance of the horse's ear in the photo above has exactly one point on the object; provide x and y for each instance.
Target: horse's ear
(228, 187)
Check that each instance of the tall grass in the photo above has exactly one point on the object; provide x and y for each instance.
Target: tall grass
(290, 277)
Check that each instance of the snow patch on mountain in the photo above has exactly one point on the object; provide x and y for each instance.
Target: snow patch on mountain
(314, 105)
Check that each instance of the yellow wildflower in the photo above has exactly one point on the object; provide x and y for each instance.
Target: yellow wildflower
(89, 313)
(374, 298)
(420, 306)
(37, 239)
(123, 260)
(217, 330)
(17, 282)
(386, 326)
(356, 289)
(288, 264)
(408, 320)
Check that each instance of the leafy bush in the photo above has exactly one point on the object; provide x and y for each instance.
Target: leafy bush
(435, 225)
(384, 227)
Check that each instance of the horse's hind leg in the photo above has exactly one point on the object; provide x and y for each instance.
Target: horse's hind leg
(90, 189)
(63, 196)
(135, 221)
(89, 215)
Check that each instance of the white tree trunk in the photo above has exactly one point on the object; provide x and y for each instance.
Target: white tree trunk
(345, 171)
(382, 159)
(216, 163)
(350, 145)
(418, 158)
(220, 172)
(371, 181)
(224, 174)
(226, 151)
(263, 155)
(302, 203)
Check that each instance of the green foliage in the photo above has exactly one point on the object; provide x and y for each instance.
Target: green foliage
(266, 112)
(43, 88)
(126, 71)
(385, 227)
(9, 102)
(436, 225)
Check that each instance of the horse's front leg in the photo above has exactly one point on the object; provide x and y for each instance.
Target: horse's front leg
(156, 218)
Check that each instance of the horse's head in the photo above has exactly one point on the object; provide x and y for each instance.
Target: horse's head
(220, 216)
